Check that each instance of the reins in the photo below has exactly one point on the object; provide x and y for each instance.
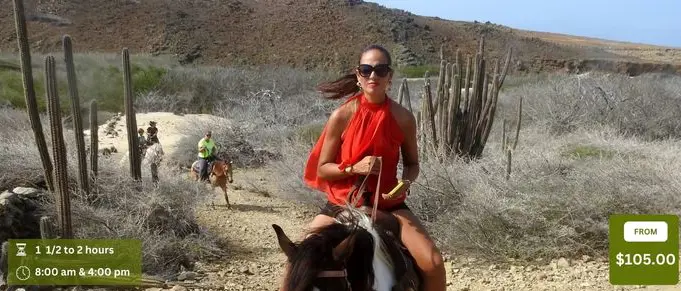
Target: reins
(360, 191)
(343, 273)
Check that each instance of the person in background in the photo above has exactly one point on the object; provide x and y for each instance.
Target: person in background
(142, 141)
(207, 150)
(152, 132)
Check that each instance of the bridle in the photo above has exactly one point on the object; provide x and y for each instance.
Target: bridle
(336, 274)
(333, 274)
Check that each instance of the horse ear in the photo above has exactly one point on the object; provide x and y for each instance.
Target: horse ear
(285, 243)
(343, 250)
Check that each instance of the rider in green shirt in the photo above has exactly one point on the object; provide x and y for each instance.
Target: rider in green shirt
(207, 150)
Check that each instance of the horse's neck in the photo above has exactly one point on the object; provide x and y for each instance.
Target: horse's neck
(384, 278)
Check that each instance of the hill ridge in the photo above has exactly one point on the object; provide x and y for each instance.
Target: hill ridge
(310, 34)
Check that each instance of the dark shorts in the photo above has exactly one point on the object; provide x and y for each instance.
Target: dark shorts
(332, 210)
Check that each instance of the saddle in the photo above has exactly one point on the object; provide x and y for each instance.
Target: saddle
(209, 166)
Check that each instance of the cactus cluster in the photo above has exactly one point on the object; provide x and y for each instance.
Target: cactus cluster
(457, 121)
(29, 91)
(131, 120)
(57, 177)
(58, 149)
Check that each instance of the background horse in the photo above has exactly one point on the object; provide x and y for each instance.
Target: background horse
(350, 254)
(220, 173)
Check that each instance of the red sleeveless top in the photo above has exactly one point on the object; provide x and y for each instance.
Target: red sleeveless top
(372, 131)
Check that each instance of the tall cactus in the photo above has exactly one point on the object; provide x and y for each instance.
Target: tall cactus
(505, 141)
(47, 228)
(58, 149)
(29, 91)
(403, 95)
(94, 142)
(459, 122)
(131, 120)
(75, 113)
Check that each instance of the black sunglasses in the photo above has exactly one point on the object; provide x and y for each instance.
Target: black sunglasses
(381, 70)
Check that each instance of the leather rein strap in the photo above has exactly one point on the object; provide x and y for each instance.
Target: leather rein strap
(378, 188)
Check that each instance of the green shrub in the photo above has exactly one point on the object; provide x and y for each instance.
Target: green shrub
(110, 92)
(418, 71)
(587, 151)
(12, 90)
(102, 83)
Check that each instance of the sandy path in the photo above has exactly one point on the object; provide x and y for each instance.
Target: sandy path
(255, 262)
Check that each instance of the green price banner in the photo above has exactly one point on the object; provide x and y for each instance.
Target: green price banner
(644, 249)
(74, 262)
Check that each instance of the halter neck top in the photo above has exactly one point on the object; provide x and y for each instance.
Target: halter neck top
(372, 130)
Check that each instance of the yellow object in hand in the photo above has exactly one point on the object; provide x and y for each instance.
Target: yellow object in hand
(400, 185)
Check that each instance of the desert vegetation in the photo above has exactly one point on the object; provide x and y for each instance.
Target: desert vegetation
(588, 146)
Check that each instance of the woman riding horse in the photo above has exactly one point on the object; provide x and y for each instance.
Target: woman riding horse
(370, 125)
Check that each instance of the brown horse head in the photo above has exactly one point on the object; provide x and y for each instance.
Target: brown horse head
(337, 257)
(222, 169)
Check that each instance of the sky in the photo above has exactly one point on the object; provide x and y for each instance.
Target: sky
(656, 22)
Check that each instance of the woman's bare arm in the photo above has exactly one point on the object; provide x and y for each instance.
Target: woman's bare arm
(328, 168)
(410, 153)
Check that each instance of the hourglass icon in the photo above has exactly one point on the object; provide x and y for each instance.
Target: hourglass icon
(21, 252)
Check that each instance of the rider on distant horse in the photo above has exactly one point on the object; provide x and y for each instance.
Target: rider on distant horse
(207, 150)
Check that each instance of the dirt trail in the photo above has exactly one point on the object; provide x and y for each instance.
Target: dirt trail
(254, 261)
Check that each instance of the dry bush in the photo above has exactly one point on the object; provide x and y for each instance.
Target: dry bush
(232, 142)
(575, 164)
(556, 203)
(162, 217)
(289, 169)
(202, 89)
(647, 106)
(258, 124)
(18, 152)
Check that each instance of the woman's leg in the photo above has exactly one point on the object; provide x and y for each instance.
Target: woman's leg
(423, 249)
(319, 221)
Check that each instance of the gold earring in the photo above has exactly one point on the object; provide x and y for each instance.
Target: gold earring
(359, 85)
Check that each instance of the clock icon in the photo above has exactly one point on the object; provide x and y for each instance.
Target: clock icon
(23, 273)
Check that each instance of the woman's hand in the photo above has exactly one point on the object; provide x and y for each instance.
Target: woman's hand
(405, 187)
(363, 167)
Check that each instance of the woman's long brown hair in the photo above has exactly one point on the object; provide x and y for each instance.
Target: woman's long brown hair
(347, 84)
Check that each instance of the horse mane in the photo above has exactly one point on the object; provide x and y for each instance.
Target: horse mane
(306, 263)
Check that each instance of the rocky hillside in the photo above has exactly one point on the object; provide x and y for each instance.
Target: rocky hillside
(302, 33)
